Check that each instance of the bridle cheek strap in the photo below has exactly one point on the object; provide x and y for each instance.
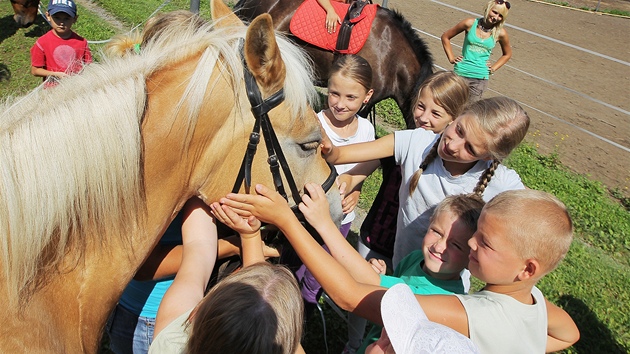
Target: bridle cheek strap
(276, 159)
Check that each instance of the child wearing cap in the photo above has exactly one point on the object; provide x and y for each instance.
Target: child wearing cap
(59, 52)
(521, 236)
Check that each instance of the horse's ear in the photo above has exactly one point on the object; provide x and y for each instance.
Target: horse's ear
(262, 55)
(222, 15)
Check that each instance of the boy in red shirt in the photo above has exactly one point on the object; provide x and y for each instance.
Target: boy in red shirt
(59, 52)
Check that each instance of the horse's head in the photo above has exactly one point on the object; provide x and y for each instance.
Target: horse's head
(25, 11)
(279, 115)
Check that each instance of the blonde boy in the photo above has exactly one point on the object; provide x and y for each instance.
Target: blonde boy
(521, 236)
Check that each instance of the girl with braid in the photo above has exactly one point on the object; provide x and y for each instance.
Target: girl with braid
(465, 158)
(441, 98)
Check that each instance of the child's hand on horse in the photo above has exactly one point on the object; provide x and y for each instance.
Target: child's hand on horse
(243, 225)
(315, 205)
(327, 148)
(267, 206)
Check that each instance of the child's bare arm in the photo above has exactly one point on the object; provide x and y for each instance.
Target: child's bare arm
(316, 210)
(199, 237)
(361, 299)
(354, 178)
(332, 19)
(41, 72)
(561, 330)
(360, 152)
(445, 309)
(349, 294)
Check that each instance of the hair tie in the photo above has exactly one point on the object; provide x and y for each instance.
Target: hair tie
(136, 48)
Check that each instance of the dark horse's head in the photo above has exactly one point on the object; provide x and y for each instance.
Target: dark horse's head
(25, 11)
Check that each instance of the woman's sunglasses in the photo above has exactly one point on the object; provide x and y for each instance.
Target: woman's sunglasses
(501, 2)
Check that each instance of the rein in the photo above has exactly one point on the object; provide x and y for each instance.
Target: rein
(276, 158)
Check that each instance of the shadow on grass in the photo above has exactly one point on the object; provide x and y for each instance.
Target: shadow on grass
(595, 337)
(5, 72)
(8, 28)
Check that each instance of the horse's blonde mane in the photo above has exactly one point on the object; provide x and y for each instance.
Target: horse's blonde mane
(71, 166)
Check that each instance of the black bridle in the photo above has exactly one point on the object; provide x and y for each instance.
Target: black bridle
(276, 158)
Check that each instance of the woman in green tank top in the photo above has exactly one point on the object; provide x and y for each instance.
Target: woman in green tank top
(481, 36)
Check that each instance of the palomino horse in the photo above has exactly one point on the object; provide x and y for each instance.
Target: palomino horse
(25, 11)
(94, 169)
(399, 58)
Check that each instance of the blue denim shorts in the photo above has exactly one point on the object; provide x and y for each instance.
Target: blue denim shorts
(128, 332)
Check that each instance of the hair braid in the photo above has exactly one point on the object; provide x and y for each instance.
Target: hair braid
(423, 166)
(485, 178)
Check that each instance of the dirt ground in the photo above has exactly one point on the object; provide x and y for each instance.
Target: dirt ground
(569, 70)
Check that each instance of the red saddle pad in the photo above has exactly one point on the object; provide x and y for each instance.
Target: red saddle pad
(309, 21)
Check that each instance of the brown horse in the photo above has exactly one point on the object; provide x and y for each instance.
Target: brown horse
(399, 58)
(25, 11)
(94, 169)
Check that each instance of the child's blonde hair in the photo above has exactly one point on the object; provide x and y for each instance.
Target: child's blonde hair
(449, 91)
(353, 67)
(465, 207)
(258, 309)
(503, 122)
(503, 10)
(540, 225)
(131, 43)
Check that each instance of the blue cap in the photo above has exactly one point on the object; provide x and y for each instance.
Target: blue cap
(67, 6)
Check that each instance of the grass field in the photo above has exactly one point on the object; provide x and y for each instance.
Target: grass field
(592, 282)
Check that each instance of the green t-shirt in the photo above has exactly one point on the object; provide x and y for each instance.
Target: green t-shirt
(475, 55)
(409, 271)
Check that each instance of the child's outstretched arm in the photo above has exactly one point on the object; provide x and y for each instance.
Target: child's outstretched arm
(352, 180)
(561, 330)
(361, 299)
(199, 238)
(360, 152)
(270, 207)
(315, 208)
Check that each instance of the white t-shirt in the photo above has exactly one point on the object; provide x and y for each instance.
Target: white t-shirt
(498, 323)
(174, 337)
(436, 183)
(365, 132)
